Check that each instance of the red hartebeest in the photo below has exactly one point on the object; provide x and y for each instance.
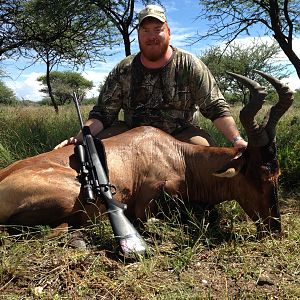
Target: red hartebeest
(145, 162)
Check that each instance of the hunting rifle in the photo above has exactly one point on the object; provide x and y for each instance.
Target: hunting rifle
(94, 182)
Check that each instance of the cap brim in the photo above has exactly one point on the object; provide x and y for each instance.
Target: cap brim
(153, 16)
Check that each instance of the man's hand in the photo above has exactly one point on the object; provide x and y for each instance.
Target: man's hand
(241, 143)
(227, 126)
(95, 126)
(71, 140)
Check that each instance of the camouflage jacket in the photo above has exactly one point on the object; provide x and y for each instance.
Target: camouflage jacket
(165, 98)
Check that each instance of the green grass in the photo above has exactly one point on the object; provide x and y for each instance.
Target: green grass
(27, 131)
(188, 259)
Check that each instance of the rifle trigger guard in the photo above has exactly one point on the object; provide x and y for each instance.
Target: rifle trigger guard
(108, 185)
(112, 187)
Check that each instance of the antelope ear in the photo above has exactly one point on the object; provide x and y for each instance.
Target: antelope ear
(232, 168)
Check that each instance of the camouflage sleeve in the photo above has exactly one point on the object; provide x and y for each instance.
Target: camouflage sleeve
(110, 100)
(208, 96)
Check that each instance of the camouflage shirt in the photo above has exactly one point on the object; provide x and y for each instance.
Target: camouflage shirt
(165, 98)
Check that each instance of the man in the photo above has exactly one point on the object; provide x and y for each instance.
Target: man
(160, 86)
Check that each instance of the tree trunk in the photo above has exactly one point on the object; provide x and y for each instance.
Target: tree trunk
(287, 49)
(50, 88)
(285, 41)
(126, 39)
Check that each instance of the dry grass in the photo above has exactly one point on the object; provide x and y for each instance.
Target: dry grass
(188, 260)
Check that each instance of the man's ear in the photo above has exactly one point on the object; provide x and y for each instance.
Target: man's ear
(169, 30)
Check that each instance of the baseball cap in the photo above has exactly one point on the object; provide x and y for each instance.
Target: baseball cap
(153, 11)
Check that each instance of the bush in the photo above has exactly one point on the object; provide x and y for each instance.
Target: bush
(7, 96)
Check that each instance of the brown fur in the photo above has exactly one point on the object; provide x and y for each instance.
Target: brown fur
(142, 163)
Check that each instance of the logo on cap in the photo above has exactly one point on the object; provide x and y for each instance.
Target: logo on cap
(153, 11)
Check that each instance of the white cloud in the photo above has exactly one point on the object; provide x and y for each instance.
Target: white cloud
(180, 37)
(26, 87)
(248, 41)
(99, 73)
(293, 81)
(97, 78)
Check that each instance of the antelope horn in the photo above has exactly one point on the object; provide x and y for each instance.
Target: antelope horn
(277, 111)
(256, 135)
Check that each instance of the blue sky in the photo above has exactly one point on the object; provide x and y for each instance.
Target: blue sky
(182, 19)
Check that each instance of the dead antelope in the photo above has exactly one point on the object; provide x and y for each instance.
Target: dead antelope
(145, 162)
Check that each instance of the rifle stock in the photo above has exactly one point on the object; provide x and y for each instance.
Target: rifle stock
(94, 181)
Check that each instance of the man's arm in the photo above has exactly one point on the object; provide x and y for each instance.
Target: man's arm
(108, 105)
(227, 126)
(96, 127)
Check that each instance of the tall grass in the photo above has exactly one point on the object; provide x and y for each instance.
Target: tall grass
(188, 260)
(27, 131)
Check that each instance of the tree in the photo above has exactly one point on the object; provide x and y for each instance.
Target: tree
(64, 84)
(7, 96)
(63, 32)
(11, 38)
(243, 60)
(121, 14)
(230, 19)
(57, 32)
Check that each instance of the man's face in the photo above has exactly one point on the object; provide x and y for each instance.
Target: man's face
(154, 38)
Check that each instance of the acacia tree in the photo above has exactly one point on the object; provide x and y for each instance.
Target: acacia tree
(242, 60)
(57, 32)
(230, 19)
(65, 32)
(11, 16)
(64, 84)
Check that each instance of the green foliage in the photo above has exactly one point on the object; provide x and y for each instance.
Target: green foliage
(7, 96)
(67, 31)
(228, 20)
(242, 60)
(89, 101)
(289, 149)
(10, 19)
(5, 155)
(73, 30)
(297, 98)
(64, 84)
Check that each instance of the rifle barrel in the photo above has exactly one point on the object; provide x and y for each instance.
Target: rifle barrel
(128, 238)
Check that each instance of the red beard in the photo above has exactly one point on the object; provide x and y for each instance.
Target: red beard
(154, 50)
